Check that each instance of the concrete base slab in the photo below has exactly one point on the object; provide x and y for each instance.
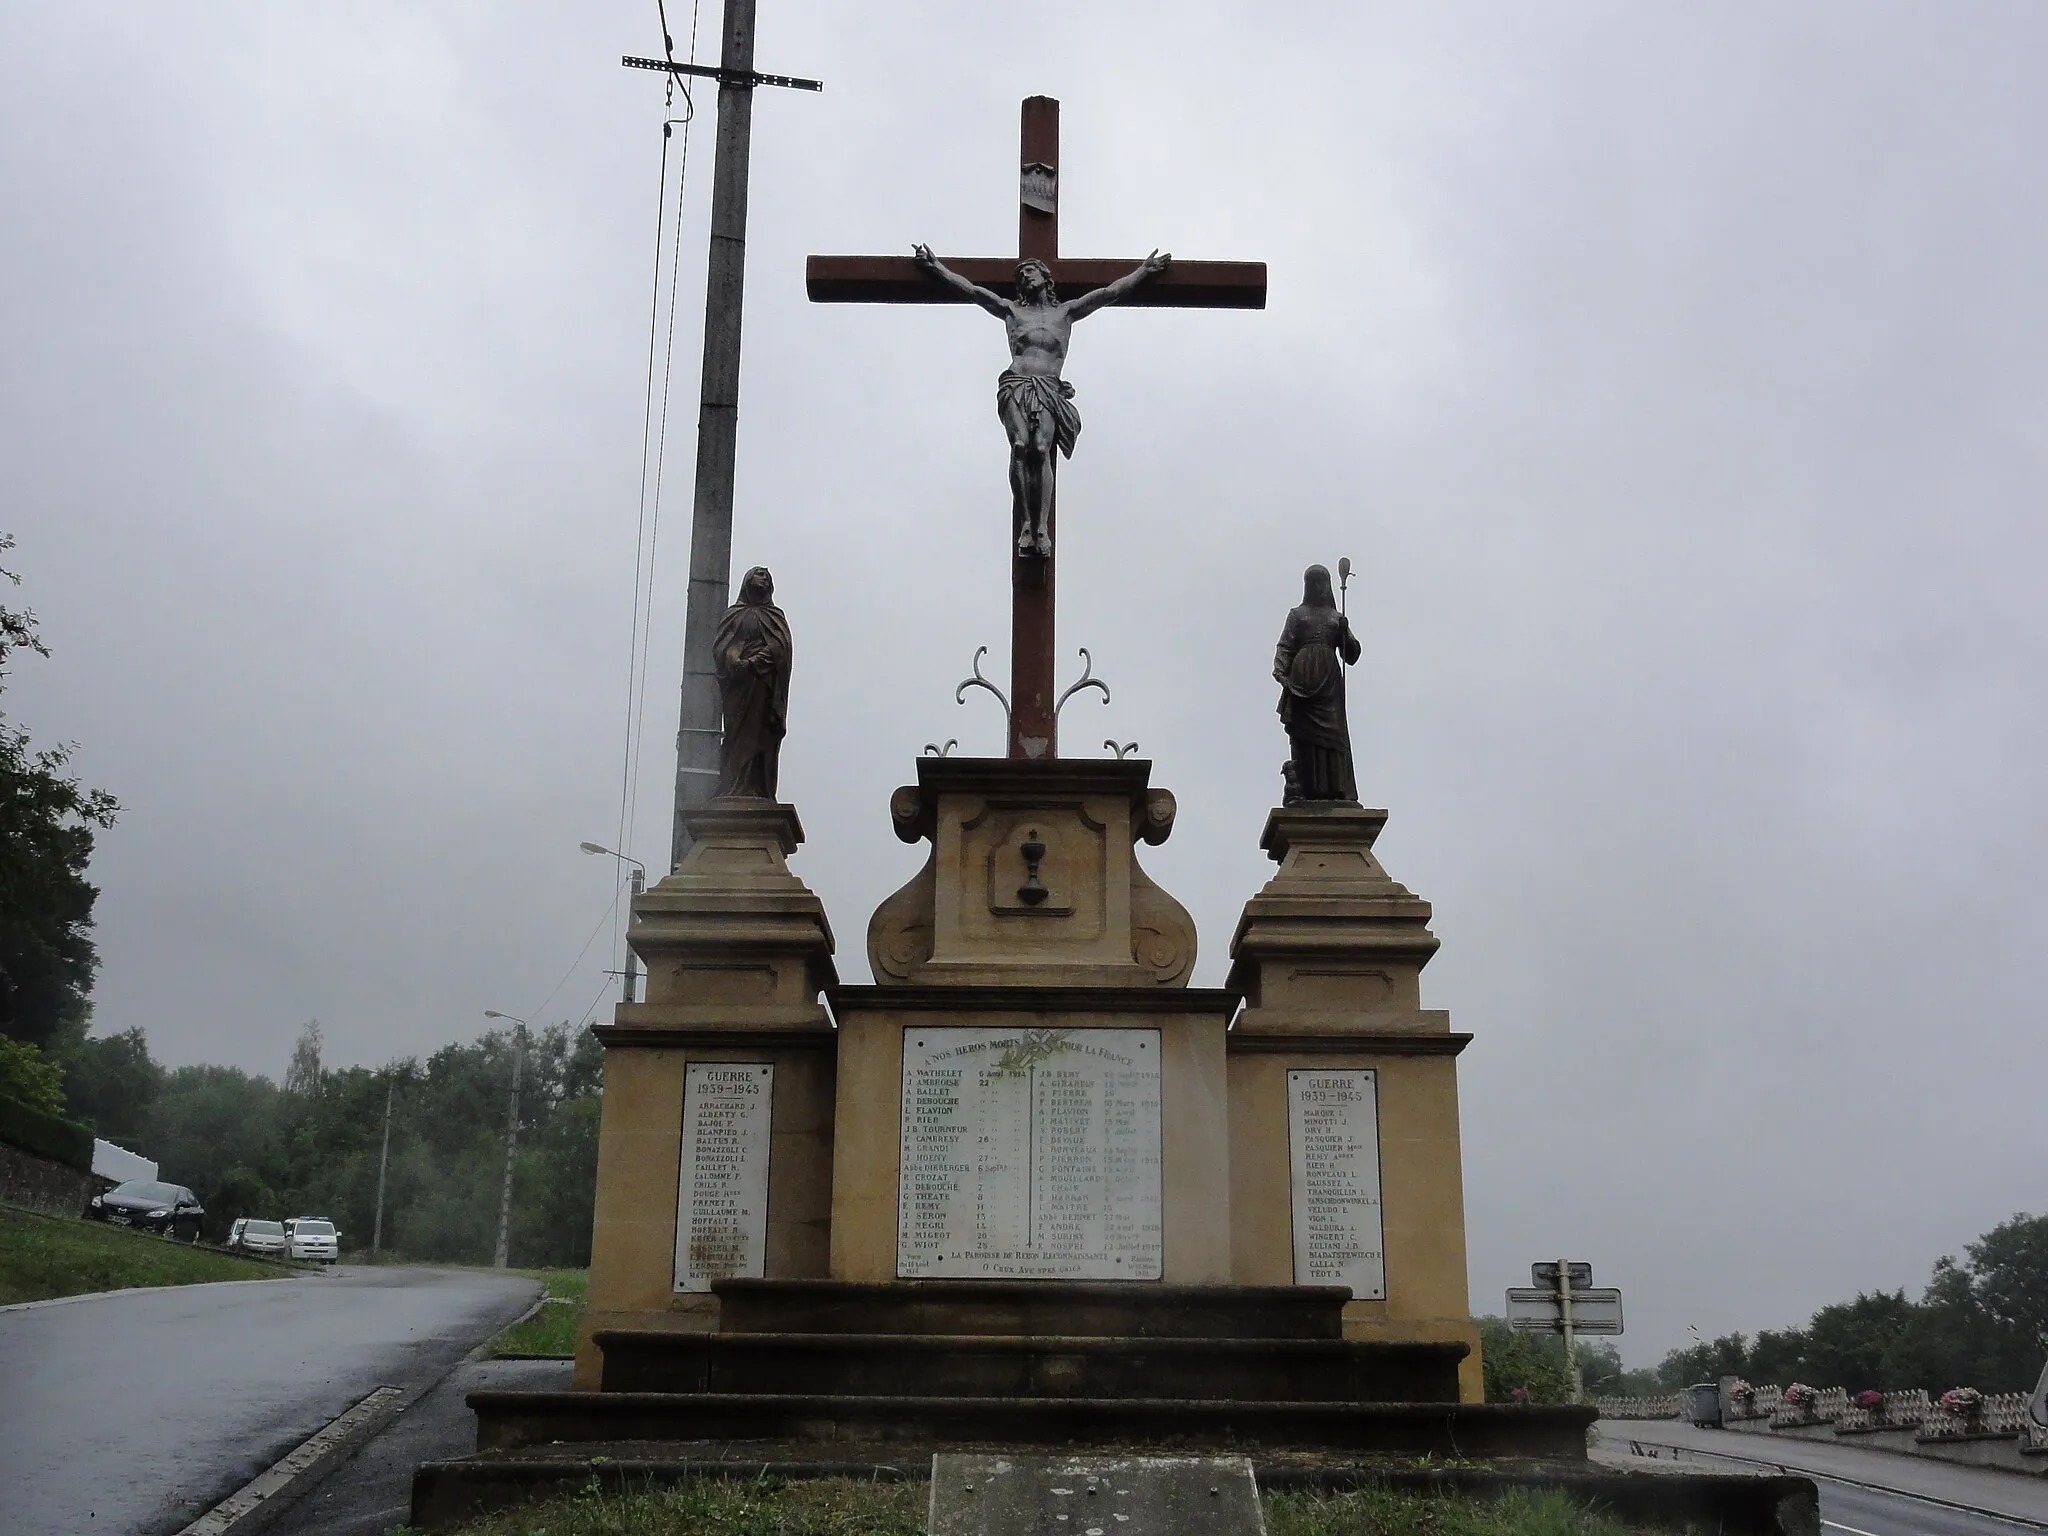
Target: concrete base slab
(447, 1492)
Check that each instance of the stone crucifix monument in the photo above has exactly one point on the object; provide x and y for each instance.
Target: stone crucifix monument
(1033, 399)
(1028, 1185)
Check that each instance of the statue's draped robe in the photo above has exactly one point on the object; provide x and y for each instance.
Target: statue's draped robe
(1040, 394)
(755, 698)
(1309, 663)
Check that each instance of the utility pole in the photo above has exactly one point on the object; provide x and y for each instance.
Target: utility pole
(383, 1164)
(499, 1258)
(718, 410)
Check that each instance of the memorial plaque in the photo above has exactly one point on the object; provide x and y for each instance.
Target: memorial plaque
(722, 1194)
(996, 1495)
(1333, 1143)
(1029, 1154)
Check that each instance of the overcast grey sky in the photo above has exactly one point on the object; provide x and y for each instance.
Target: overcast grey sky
(1674, 373)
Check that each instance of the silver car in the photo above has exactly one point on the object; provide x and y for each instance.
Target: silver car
(250, 1235)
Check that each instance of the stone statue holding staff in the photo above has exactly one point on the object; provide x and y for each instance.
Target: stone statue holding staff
(1316, 645)
(1036, 405)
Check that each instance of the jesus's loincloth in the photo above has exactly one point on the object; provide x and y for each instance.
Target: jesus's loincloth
(1041, 394)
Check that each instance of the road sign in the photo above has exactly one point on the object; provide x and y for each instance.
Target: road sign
(1546, 1274)
(1540, 1309)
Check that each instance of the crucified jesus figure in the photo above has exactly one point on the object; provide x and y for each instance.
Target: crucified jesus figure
(1036, 405)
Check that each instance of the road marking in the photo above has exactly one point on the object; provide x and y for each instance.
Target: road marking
(1836, 1525)
(364, 1418)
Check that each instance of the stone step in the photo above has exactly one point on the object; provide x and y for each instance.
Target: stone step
(511, 1420)
(984, 1366)
(1059, 1308)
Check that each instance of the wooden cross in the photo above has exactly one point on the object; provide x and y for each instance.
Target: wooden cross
(1034, 711)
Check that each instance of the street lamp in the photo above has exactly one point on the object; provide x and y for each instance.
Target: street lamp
(632, 971)
(500, 1257)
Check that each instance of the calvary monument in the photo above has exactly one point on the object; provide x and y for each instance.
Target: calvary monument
(1028, 1185)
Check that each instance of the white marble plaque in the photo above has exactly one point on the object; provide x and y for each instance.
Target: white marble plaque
(722, 1194)
(1333, 1144)
(1029, 1154)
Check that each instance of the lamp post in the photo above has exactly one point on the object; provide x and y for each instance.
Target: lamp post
(632, 971)
(499, 1258)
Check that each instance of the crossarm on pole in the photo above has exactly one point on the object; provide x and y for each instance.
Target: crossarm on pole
(899, 280)
(742, 77)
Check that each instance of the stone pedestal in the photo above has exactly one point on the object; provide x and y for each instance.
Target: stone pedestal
(1081, 914)
(1032, 928)
(1029, 1184)
(737, 950)
(1328, 957)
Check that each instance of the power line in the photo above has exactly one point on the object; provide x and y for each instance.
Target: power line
(611, 907)
(647, 528)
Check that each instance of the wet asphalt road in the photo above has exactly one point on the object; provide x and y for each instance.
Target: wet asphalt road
(134, 1414)
(1997, 1503)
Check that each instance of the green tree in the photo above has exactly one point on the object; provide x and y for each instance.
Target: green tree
(47, 822)
(1778, 1357)
(1725, 1356)
(1847, 1342)
(555, 1191)
(1602, 1373)
(29, 1078)
(111, 1083)
(303, 1076)
(240, 1192)
(1948, 1341)
(2009, 1276)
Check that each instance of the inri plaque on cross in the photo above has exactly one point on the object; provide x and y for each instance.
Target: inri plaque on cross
(1035, 404)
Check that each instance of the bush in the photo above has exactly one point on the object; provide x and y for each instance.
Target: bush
(46, 1135)
(1520, 1363)
(29, 1078)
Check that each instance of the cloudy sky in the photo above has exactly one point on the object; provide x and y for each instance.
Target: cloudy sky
(1674, 374)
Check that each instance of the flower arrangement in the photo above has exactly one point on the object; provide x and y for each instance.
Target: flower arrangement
(1800, 1395)
(1742, 1395)
(1962, 1402)
(1519, 1396)
(1870, 1398)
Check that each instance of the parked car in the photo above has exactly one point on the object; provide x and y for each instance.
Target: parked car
(169, 1209)
(312, 1237)
(249, 1234)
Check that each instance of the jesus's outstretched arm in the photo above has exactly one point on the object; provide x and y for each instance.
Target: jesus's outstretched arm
(1095, 298)
(995, 304)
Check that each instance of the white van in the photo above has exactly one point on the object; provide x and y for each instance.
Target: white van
(312, 1237)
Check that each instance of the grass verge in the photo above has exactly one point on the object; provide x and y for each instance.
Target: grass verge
(43, 1257)
(842, 1507)
(551, 1330)
(1376, 1512)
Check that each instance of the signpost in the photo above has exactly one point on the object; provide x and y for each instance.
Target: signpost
(1564, 1300)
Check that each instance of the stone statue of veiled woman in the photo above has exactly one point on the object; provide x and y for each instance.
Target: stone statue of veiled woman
(752, 654)
(1316, 644)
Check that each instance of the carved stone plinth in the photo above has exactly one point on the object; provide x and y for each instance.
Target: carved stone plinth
(1332, 938)
(1033, 879)
(732, 938)
(1329, 957)
(737, 950)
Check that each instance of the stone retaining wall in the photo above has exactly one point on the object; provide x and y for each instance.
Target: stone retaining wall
(41, 1183)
